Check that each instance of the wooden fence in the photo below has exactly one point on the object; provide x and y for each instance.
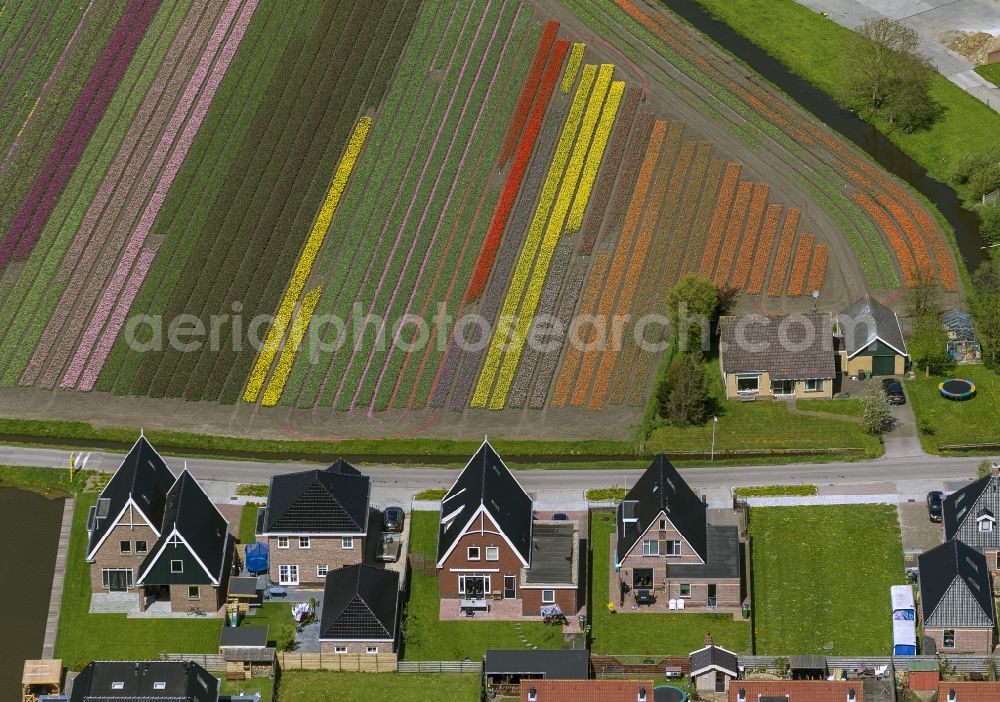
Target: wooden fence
(212, 662)
(626, 666)
(441, 667)
(356, 662)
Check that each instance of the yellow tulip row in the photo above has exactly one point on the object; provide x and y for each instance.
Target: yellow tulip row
(594, 156)
(572, 66)
(305, 263)
(555, 226)
(534, 237)
(300, 324)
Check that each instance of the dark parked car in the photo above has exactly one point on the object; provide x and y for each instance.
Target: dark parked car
(392, 519)
(894, 389)
(935, 500)
(560, 517)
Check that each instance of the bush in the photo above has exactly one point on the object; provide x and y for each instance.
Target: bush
(252, 490)
(989, 225)
(775, 490)
(985, 180)
(284, 638)
(431, 494)
(609, 493)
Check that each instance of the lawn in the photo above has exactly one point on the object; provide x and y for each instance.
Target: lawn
(646, 633)
(50, 482)
(429, 638)
(248, 687)
(248, 523)
(990, 72)
(762, 425)
(411, 687)
(848, 408)
(971, 422)
(84, 637)
(822, 575)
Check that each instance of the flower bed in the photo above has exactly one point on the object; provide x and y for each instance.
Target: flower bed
(276, 384)
(567, 373)
(594, 157)
(532, 85)
(731, 241)
(817, 271)
(895, 238)
(572, 66)
(800, 265)
(718, 225)
(779, 270)
(762, 256)
(747, 249)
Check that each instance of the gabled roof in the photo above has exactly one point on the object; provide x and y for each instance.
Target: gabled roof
(962, 507)
(866, 320)
(559, 664)
(714, 657)
(796, 690)
(360, 602)
(190, 516)
(143, 479)
(955, 587)
(662, 489)
(586, 690)
(787, 347)
(177, 681)
(487, 485)
(965, 691)
(334, 500)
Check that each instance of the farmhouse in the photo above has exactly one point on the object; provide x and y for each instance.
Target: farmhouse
(315, 521)
(492, 550)
(777, 356)
(360, 611)
(956, 600)
(870, 340)
(667, 555)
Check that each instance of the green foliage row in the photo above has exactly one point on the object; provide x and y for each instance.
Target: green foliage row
(775, 490)
(610, 493)
(431, 494)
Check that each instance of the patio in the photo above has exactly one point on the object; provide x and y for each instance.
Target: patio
(504, 610)
(127, 603)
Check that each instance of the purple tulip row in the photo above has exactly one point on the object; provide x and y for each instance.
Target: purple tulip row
(190, 112)
(387, 262)
(550, 361)
(72, 138)
(451, 192)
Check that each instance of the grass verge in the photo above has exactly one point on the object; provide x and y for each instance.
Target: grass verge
(309, 686)
(943, 422)
(775, 490)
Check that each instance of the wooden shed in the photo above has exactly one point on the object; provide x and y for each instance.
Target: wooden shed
(924, 675)
(41, 677)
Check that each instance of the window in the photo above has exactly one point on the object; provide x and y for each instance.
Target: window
(747, 383)
(126, 547)
(642, 578)
(340, 649)
(118, 685)
(474, 586)
(673, 548)
(140, 547)
(663, 525)
(473, 553)
(548, 596)
(347, 542)
(321, 571)
(650, 547)
(685, 589)
(814, 385)
(116, 579)
(985, 523)
(303, 542)
(194, 592)
(492, 553)
(288, 575)
(160, 685)
(371, 649)
(713, 595)
(176, 566)
(282, 542)
(998, 560)
(949, 638)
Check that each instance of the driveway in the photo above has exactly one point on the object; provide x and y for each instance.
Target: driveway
(919, 533)
(902, 441)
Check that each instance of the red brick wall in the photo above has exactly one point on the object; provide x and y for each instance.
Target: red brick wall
(356, 646)
(109, 554)
(323, 550)
(566, 598)
(727, 592)
(211, 598)
(456, 564)
(978, 641)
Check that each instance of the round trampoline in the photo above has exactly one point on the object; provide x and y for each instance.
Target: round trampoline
(957, 389)
(669, 693)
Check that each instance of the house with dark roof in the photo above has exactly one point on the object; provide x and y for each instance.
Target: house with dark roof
(870, 339)
(666, 554)
(713, 667)
(491, 549)
(156, 538)
(361, 611)
(971, 514)
(799, 691)
(778, 356)
(177, 681)
(956, 599)
(545, 690)
(315, 521)
(509, 671)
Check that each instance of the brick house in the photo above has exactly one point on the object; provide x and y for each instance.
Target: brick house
(361, 611)
(491, 547)
(665, 547)
(971, 514)
(956, 599)
(544, 690)
(158, 538)
(315, 521)
(870, 339)
(789, 356)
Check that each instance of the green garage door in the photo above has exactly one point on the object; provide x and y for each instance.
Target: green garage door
(883, 365)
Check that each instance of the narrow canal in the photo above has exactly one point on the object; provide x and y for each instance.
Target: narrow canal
(847, 123)
(29, 535)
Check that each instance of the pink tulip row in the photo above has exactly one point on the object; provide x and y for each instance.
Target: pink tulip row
(91, 239)
(386, 262)
(73, 137)
(451, 192)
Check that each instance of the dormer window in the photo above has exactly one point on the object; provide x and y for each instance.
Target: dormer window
(985, 521)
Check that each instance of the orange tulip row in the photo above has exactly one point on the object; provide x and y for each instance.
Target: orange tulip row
(588, 301)
(737, 220)
(817, 272)
(776, 285)
(800, 266)
(717, 227)
(746, 252)
(921, 257)
(763, 254)
(687, 207)
(896, 240)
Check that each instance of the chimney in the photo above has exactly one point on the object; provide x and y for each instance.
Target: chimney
(851, 695)
(741, 696)
(708, 639)
(641, 697)
(533, 695)
(994, 469)
(951, 695)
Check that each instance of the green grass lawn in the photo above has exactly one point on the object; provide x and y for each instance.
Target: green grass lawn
(405, 687)
(429, 638)
(84, 637)
(813, 47)
(775, 490)
(762, 425)
(822, 574)
(644, 632)
(248, 687)
(848, 408)
(990, 72)
(969, 422)
(248, 524)
(50, 482)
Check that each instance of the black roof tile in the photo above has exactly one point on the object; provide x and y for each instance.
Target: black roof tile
(333, 500)
(360, 602)
(178, 681)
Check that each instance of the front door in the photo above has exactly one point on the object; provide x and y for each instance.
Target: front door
(288, 575)
(712, 598)
(118, 580)
(509, 587)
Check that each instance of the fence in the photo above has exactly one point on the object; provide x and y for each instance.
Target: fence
(440, 667)
(819, 500)
(990, 198)
(961, 663)
(212, 662)
(624, 666)
(355, 662)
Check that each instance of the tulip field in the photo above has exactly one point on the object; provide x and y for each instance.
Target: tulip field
(245, 169)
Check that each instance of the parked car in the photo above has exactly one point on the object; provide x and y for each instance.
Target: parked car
(935, 502)
(388, 549)
(894, 390)
(560, 517)
(392, 519)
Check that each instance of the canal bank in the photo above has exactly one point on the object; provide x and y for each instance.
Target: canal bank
(862, 133)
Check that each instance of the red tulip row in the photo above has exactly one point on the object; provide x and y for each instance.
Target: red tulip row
(717, 227)
(763, 254)
(738, 280)
(800, 266)
(776, 285)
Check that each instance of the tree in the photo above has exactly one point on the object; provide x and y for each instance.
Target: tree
(693, 304)
(875, 415)
(989, 225)
(684, 398)
(923, 298)
(986, 310)
(284, 638)
(929, 344)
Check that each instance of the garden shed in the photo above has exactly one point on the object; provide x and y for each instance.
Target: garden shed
(963, 346)
(807, 667)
